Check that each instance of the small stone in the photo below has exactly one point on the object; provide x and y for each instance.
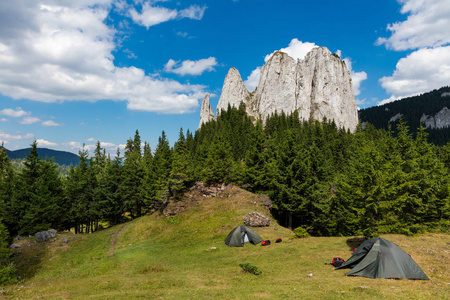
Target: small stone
(14, 246)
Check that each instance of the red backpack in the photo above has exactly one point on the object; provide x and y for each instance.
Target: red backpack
(337, 261)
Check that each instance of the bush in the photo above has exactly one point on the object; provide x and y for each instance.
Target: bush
(7, 274)
(301, 232)
(250, 269)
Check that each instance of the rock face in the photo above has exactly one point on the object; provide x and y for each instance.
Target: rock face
(43, 236)
(206, 112)
(256, 219)
(439, 121)
(318, 87)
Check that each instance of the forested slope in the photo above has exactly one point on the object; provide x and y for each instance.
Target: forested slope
(411, 110)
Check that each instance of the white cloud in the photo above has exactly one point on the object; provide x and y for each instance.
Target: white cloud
(44, 143)
(14, 113)
(193, 12)
(29, 120)
(426, 31)
(73, 145)
(4, 120)
(7, 137)
(152, 15)
(296, 49)
(253, 79)
(50, 123)
(427, 25)
(189, 67)
(91, 140)
(421, 71)
(357, 77)
(63, 51)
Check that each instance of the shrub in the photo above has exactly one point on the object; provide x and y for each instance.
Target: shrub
(250, 269)
(301, 232)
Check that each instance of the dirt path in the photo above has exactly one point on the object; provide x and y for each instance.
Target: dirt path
(114, 242)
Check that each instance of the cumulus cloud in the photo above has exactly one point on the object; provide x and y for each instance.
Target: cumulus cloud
(427, 25)
(62, 51)
(151, 15)
(73, 145)
(421, 71)
(189, 67)
(426, 32)
(14, 113)
(298, 50)
(253, 79)
(7, 137)
(44, 143)
(50, 123)
(29, 120)
(357, 77)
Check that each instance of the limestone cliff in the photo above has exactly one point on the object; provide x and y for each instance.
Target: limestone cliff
(206, 112)
(438, 121)
(317, 87)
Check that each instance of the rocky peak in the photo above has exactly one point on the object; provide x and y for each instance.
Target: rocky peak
(318, 87)
(206, 112)
(233, 91)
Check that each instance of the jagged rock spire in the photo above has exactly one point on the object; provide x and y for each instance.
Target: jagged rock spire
(206, 112)
(317, 87)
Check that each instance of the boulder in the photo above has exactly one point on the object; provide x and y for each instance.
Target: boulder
(43, 236)
(14, 246)
(256, 219)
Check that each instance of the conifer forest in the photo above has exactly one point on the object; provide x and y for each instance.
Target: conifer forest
(324, 179)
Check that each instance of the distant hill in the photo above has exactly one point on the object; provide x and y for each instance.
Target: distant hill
(60, 157)
(431, 108)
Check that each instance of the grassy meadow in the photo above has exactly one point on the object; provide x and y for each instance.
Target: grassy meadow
(184, 257)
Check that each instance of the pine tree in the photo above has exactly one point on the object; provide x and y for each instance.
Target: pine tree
(133, 174)
(180, 172)
(162, 164)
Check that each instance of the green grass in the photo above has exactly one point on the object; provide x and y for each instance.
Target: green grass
(159, 258)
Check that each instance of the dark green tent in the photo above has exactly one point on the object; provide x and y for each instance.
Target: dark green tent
(379, 258)
(240, 235)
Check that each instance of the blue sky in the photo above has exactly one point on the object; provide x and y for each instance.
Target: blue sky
(78, 72)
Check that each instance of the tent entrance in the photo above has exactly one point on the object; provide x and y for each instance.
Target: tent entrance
(246, 240)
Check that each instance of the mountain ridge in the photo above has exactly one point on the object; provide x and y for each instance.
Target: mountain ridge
(60, 157)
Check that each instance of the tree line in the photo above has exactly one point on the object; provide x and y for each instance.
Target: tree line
(321, 178)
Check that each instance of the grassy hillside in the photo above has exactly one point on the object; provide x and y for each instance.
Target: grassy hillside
(184, 257)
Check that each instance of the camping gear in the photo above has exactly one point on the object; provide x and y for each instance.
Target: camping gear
(278, 240)
(337, 261)
(240, 235)
(265, 243)
(379, 258)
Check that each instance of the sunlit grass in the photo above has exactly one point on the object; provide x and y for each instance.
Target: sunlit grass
(185, 257)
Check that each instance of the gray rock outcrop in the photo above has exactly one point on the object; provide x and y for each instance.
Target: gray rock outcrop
(256, 219)
(438, 121)
(318, 87)
(206, 112)
(43, 236)
(233, 91)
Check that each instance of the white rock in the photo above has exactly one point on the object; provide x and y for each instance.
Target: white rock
(206, 112)
(233, 91)
(318, 87)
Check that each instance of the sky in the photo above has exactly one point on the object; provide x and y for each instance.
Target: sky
(73, 73)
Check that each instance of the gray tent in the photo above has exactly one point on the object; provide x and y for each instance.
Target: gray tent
(240, 235)
(379, 258)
